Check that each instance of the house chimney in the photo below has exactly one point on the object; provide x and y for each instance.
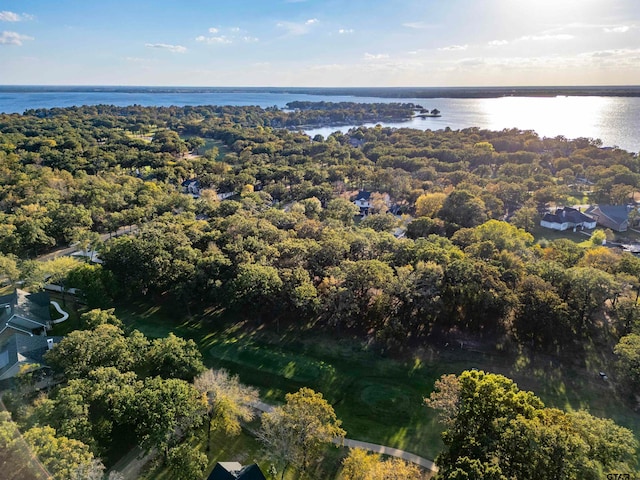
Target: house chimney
(49, 343)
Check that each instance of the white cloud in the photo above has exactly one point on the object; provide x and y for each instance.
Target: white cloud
(375, 56)
(220, 40)
(13, 38)
(298, 28)
(617, 29)
(166, 46)
(497, 43)
(233, 35)
(454, 48)
(619, 52)
(547, 37)
(344, 31)
(6, 16)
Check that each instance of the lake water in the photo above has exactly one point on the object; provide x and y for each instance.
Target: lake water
(614, 120)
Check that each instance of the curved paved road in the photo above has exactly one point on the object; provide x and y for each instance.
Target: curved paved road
(61, 252)
(371, 447)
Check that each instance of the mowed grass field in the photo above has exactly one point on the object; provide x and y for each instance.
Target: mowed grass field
(380, 399)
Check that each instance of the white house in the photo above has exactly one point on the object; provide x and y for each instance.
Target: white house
(363, 202)
(566, 218)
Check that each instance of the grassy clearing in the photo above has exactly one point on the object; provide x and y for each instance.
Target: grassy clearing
(145, 136)
(69, 304)
(540, 233)
(380, 399)
(209, 144)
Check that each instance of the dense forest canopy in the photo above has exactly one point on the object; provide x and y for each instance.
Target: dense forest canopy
(287, 240)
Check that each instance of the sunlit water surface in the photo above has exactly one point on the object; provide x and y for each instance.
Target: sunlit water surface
(614, 120)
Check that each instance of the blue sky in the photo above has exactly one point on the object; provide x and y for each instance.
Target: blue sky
(320, 42)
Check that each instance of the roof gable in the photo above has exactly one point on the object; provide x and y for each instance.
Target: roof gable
(617, 213)
(234, 471)
(251, 472)
(24, 348)
(24, 311)
(220, 473)
(567, 215)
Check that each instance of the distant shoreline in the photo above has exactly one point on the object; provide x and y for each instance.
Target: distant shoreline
(380, 92)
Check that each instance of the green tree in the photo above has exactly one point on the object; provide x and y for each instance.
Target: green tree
(9, 268)
(256, 286)
(342, 210)
(84, 350)
(588, 289)
(598, 237)
(174, 357)
(62, 456)
(96, 284)
(541, 316)
(380, 222)
(463, 209)
(526, 218)
(186, 462)
(429, 204)
(91, 319)
(504, 236)
(295, 433)
(494, 430)
(360, 465)
(628, 352)
(166, 410)
(475, 410)
(424, 226)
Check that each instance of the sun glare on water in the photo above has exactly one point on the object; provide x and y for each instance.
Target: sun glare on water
(573, 116)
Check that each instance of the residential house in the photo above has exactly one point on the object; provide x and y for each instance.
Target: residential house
(235, 471)
(88, 255)
(25, 313)
(20, 353)
(191, 186)
(225, 195)
(615, 217)
(566, 218)
(363, 201)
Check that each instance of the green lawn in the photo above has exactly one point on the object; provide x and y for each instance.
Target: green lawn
(209, 144)
(540, 233)
(379, 399)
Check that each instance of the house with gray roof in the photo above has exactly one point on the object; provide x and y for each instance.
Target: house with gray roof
(22, 352)
(25, 313)
(566, 218)
(615, 217)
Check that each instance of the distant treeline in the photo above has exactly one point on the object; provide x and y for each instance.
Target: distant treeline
(382, 92)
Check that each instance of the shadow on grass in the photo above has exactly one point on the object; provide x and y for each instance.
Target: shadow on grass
(378, 399)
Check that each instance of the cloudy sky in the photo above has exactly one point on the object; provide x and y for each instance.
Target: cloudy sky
(320, 42)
